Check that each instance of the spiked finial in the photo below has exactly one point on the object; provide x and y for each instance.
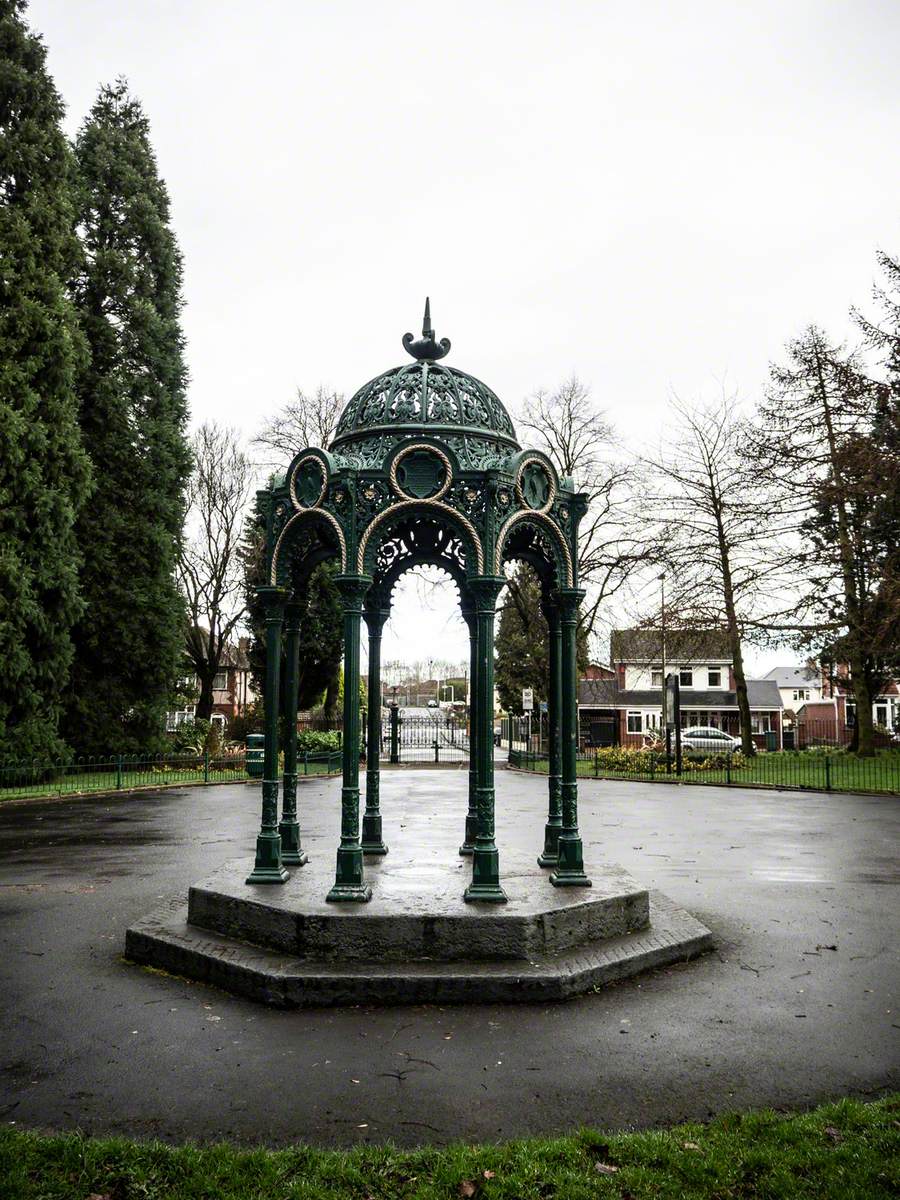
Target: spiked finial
(426, 349)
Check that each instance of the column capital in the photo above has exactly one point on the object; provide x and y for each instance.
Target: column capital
(293, 615)
(353, 589)
(550, 609)
(274, 598)
(375, 617)
(568, 600)
(484, 590)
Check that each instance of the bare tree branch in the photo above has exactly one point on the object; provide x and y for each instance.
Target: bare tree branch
(209, 568)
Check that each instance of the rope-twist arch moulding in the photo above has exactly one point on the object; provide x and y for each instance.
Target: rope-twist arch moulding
(323, 471)
(454, 518)
(536, 460)
(305, 514)
(540, 518)
(438, 453)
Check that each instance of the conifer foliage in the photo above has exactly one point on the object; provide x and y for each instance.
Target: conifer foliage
(44, 474)
(129, 641)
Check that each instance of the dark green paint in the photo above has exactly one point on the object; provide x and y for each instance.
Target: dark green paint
(268, 867)
(380, 517)
(291, 852)
(372, 840)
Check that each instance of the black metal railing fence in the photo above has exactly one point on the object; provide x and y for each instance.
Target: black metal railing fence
(824, 760)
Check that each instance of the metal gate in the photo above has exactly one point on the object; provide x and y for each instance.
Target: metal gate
(433, 737)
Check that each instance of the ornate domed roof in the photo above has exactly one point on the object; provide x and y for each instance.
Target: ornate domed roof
(421, 398)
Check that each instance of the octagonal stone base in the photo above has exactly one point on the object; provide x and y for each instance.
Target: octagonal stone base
(416, 941)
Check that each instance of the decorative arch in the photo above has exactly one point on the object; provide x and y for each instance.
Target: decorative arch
(424, 508)
(547, 527)
(307, 516)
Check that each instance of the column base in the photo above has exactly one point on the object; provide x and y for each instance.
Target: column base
(372, 841)
(349, 883)
(468, 846)
(268, 868)
(291, 853)
(549, 856)
(347, 894)
(485, 885)
(570, 868)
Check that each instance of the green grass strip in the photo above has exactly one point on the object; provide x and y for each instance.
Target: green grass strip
(848, 1150)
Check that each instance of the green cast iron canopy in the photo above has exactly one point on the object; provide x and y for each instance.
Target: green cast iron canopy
(421, 398)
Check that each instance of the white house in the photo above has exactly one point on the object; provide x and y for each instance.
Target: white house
(797, 685)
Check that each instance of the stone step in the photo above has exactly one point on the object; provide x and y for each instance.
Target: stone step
(165, 940)
(417, 912)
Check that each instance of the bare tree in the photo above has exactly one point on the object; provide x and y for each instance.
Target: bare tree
(717, 528)
(569, 427)
(210, 569)
(307, 420)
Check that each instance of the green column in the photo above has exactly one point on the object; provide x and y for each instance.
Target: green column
(291, 852)
(468, 845)
(485, 883)
(372, 842)
(550, 854)
(268, 868)
(570, 868)
(349, 881)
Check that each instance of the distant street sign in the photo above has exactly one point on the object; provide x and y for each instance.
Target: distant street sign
(543, 706)
(527, 699)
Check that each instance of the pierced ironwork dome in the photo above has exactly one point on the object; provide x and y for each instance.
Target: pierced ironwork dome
(425, 397)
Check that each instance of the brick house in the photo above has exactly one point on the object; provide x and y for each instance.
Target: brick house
(829, 718)
(622, 705)
(233, 689)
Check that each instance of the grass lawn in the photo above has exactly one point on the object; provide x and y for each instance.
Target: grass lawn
(787, 769)
(848, 1151)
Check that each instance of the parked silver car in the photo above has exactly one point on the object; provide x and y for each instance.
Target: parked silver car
(705, 737)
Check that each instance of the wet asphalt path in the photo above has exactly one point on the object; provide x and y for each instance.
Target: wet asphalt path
(797, 1003)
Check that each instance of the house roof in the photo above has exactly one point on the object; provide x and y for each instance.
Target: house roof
(235, 656)
(793, 677)
(603, 693)
(685, 645)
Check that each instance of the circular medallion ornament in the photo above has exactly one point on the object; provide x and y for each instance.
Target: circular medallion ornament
(421, 473)
(308, 482)
(535, 485)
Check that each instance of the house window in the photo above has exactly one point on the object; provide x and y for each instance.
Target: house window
(851, 712)
(715, 676)
(881, 717)
(184, 716)
(634, 722)
(652, 720)
(686, 677)
(801, 693)
(760, 722)
(656, 677)
(220, 681)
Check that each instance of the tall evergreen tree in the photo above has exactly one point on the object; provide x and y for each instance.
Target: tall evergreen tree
(44, 473)
(522, 644)
(811, 437)
(129, 642)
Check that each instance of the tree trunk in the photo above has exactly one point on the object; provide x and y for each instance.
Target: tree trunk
(748, 746)
(204, 708)
(331, 696)
(865, 733)
(734, 630)
(852, 598)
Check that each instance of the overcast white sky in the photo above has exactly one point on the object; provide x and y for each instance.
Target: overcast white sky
(653, 195)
